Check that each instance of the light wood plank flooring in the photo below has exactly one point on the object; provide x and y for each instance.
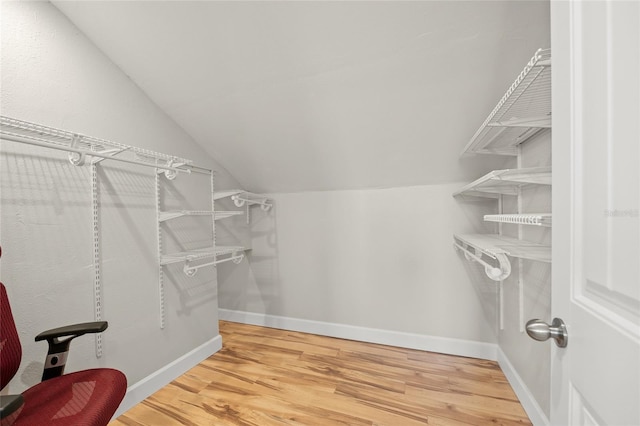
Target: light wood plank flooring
(264, 376)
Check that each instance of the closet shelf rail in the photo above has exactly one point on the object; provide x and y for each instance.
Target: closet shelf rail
(79, 147)
(523, 111)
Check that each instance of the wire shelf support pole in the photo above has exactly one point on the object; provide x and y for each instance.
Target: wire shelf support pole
(159, 247)
(97, 282)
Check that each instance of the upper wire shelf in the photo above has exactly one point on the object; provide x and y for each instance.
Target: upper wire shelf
(79, 147)
(536, 219)
(506, 182)
(523, 111)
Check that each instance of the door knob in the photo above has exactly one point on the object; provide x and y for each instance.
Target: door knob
(540, 330)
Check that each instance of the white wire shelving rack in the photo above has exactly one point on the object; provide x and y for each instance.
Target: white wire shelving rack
(535, 219)
(87, 150)
(520, 115)
(196, 259)
(506, 182)
(523, 111)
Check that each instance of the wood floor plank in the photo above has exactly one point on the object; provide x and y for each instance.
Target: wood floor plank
(265, 376)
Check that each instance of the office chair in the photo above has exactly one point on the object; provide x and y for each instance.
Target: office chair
(87, 397)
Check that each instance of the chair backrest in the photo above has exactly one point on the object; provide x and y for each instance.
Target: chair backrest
(10, 349)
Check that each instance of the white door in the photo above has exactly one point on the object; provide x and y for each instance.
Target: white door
(596, 235)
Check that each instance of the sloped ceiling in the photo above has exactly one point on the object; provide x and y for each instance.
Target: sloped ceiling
(299, 96)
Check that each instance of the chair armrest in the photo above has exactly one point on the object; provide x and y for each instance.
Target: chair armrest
(59, 340)
(9, 404)
(74, 330)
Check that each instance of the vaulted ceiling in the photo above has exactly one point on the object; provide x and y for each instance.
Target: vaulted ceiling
(299, 96)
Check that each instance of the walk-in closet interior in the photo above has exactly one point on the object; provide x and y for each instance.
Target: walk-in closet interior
(379, 172)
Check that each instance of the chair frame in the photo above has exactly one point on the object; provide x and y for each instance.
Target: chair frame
(59, 340)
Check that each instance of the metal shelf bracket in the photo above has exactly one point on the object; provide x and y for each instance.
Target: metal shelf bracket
(76, 158)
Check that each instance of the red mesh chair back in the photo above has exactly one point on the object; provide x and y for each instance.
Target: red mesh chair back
(10, 349)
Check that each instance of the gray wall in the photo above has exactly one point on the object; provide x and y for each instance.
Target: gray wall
(380, 258)
(383, 259)
(51, 74)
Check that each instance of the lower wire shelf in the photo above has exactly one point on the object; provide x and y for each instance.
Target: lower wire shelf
(231, 253)
(498, 247)
(492, 244)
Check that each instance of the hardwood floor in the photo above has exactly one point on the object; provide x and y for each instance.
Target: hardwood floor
(264, 376)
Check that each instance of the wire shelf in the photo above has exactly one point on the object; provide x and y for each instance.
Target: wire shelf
(506, 182)
(79, 146)
(225, 214)
(523, 111)
(493, 245)
(228, 193)
(536, 219)
(233, 254)
(241, 197)
(199, 254)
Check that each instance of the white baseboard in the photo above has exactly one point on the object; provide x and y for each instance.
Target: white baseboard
(445, 345)
(139, 391)
(534, 411)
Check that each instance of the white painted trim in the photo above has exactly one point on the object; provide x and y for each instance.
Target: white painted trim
(528, 402)
(139, 391)
(444, 345)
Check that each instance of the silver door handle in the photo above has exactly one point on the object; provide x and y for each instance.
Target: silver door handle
(540, 330)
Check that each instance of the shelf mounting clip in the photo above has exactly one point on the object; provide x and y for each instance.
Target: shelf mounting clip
(76, 158)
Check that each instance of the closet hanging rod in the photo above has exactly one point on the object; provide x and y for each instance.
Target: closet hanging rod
(495, 274)
(240, 201)
(22, 139)
(191, 270)
(473, 256)
(79, 146)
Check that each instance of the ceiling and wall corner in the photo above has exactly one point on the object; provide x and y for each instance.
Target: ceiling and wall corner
(306, 96)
